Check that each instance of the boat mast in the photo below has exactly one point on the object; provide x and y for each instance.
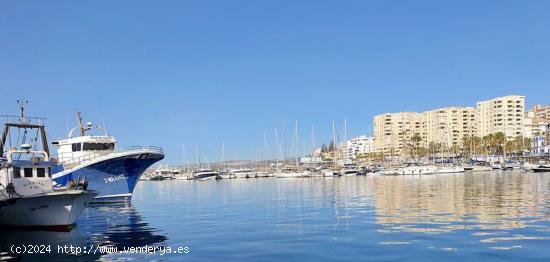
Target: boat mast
(296, 146)
(265, 151)
(185, 159)
(80, 125)
(223, 155)
(333, 143)
(24, 122)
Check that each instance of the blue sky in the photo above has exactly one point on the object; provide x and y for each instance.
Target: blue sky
(206, 72)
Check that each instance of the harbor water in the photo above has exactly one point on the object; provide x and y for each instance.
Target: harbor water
(490, 216)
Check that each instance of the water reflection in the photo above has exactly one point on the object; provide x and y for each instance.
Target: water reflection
(494, 201)
(118, 225)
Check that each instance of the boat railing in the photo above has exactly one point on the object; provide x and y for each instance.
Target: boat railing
(75, 161)
(23, 120)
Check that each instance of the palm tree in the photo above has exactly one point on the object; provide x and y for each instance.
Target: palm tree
(500, 142)
(416, 139)
(488, 141)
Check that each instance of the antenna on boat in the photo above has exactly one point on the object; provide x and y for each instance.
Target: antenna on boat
(22, 104)
(81, 126)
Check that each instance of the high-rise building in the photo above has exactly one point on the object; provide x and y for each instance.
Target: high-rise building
(536, 120)
(448, 126)
(541, 111)
(502, 114)
(393, 131)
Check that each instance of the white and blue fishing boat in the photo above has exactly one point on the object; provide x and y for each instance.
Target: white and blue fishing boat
(112, 172)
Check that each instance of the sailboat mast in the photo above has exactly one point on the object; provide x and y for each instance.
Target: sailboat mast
(223, 154)
(265, 150)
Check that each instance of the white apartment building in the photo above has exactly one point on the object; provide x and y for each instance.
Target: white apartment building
(502, 114)
(358, 145)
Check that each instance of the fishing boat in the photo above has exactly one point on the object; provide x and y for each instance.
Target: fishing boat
(27, 196)
(112, 172)
(204, 174)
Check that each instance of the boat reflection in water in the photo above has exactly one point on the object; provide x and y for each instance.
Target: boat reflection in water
(106, 226)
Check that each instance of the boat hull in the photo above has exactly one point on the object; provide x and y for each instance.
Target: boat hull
(113, 178)
(58, 210)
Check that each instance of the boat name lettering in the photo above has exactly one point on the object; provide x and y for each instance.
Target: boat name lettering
(112, 179)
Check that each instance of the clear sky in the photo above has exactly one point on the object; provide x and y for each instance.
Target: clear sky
(206, 72)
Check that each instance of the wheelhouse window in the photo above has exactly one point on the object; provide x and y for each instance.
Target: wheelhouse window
(41, 172)
(49, 172)
(28, 172)
(16, 172)
(98, 146)
(77, 147)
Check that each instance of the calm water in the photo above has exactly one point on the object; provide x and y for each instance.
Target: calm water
(463, 217)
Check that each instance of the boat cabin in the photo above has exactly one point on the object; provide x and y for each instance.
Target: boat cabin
(84, 147)
(29, 172)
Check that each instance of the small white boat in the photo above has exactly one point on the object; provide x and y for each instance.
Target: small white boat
(264, 174)
(243, 173)
(449, 170)
(496, 166)
(291, 172)
(349, 170)
(386, 172)
(184, 175)
(416, 169)
(224, 174)
(329, 173)
(541, 168)
(205, 174)
(511, 165)
(164, 174)
(475, 168)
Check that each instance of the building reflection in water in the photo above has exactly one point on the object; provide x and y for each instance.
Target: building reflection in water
(428, 204)
(495, 201)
